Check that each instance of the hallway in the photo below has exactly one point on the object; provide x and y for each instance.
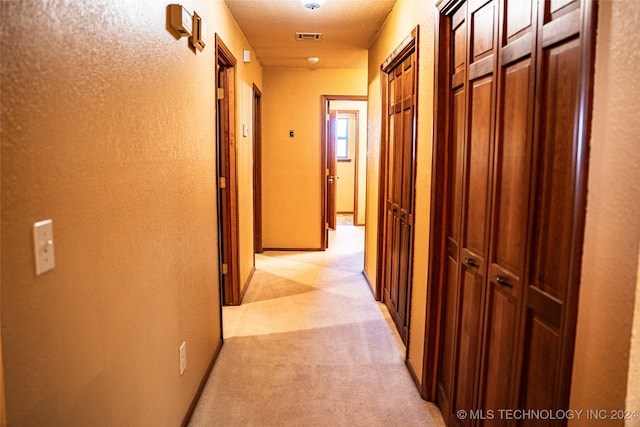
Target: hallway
(311, 346)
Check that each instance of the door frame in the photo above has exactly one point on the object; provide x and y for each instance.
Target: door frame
(257, 171)
(324, 147)
(226, 146)
(356, 153)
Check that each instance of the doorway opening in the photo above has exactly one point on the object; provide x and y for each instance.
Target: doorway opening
(343, 160)
(227, 175)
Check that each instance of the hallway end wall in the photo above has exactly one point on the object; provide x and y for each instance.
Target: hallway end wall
(406, 15)
(110, 132)
(291, 170)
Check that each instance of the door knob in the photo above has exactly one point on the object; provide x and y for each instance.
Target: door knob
(503, 282)
(471, 263)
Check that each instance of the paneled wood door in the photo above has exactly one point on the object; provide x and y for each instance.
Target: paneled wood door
(399, 175)
(332, 171)
(511, 165)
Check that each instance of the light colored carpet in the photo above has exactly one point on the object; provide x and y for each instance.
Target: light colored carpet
(310, 346)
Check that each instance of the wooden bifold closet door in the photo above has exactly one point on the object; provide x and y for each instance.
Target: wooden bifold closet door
(398, 173)
(514, 200)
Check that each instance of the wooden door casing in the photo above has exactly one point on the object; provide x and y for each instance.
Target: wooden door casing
(332, 171)
(227, 176)
(514, 204)
(257, 171)
(454, 159)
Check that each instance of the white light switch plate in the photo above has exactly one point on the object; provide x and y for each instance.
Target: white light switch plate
(43, 246)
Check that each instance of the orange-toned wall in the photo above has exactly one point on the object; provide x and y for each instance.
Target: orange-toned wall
(291, 170)
(612, 232)
(108, 128)
(406, 15)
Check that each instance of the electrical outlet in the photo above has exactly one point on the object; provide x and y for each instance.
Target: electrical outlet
(183, 357)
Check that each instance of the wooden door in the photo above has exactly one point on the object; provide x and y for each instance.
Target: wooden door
(453, 157)
(332, 171)
(511, 167)
(509, 213)
(558, 198)
(476, 198)
(399, 188)
(227, 176)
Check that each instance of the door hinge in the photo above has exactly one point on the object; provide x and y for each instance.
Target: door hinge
(222, 182)
(326, 225)
(220, 93)
(224, 269)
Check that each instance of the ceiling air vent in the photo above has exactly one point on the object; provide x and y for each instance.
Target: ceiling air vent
(309, 36)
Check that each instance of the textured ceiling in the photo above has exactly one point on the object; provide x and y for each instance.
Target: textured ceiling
(348, 26)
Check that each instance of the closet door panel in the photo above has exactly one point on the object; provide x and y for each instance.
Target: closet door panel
(468, 348)
(546, 345)
(514, 115)
(478, 168)
(497, 373)
(453, 200)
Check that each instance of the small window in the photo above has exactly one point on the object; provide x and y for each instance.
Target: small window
(342, 143)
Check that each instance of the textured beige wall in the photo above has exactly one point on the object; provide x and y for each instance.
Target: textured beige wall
(404, 17)
(108, 128)
(291, 177)
(633, 380)
(612, 231)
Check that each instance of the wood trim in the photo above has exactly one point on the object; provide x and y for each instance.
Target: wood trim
(382, 183)
(324, 111)
(223, 53)
(227, 149)
(203, 383)
(257, 170)
(439, 191)
(407, 45)
(293, 249)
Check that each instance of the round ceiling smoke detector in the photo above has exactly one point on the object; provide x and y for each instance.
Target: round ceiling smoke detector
(313, 60)
(312, 4)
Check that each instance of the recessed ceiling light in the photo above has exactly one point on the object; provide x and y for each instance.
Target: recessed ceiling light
(313, 60)
(312, 4)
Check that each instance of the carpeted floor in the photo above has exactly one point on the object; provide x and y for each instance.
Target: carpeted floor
(310, 346)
